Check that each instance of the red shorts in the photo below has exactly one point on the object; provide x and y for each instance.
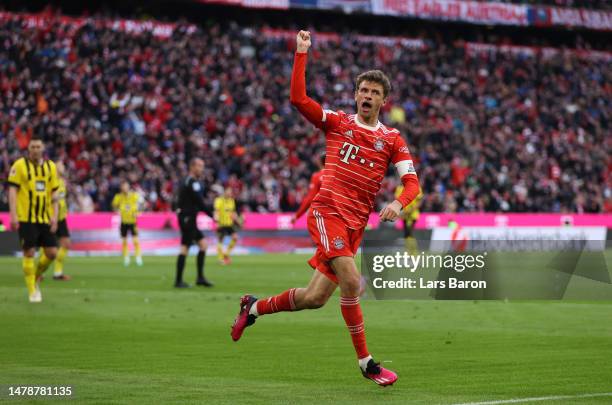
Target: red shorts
(333, 239)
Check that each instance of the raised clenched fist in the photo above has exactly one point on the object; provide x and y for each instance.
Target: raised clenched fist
(303, 41)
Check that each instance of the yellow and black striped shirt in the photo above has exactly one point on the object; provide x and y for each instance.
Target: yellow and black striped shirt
(36, 184)
(128, 206)
(225, 209)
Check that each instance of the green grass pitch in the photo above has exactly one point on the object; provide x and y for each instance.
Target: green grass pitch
(123, 335)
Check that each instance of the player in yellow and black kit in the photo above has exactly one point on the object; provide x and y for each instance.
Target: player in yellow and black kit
(409, 215)
(62, 233)
(127, 202)
(228, 220)
(33, 183)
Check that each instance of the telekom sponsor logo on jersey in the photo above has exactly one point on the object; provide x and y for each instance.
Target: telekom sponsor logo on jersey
(349, 151)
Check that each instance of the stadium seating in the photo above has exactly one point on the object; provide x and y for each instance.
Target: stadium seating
(490, 132)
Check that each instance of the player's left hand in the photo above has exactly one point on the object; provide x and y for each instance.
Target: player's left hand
(391, 211)
(53, 224)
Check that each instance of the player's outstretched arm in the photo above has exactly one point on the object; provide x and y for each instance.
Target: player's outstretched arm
(309, 108)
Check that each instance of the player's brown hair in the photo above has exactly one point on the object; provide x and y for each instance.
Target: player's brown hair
(375, 76)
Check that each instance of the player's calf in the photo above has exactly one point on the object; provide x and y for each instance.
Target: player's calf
(307, 299)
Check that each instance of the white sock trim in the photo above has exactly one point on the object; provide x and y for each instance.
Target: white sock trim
(363, 363)
(253, 310)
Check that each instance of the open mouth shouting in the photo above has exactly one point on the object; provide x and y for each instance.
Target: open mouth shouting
(366, 107)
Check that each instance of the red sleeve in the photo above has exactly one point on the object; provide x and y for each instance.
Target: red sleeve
(313, 189)
(402, 160)
(411, 189)
(309, 108)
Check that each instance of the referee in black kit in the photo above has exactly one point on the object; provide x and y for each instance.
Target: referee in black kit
(190, 202)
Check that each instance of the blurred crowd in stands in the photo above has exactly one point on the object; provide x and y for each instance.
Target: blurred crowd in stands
(499, 132)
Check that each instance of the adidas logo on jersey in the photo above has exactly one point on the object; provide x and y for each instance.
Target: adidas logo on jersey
(349, 133)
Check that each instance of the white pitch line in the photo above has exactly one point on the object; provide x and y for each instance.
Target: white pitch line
(550, 398)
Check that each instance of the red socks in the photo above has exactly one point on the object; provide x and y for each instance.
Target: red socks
(279, 303)
(351, 312)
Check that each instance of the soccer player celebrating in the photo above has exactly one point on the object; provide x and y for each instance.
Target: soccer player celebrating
(127, 202)
(313, 190)
(62, 234)
(33, 183)
(358, 151)
(190, 202)
(227, 218)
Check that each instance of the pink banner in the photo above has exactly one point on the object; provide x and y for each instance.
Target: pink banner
(454, 10)
(282, 221)
(276, 4)
(46, 20)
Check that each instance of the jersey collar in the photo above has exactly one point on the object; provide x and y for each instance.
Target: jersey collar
(365, 126)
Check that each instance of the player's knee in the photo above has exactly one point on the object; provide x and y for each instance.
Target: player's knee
(51, 254)
(351, 285)
(30, 252)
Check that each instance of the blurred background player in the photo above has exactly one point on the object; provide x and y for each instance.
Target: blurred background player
(126, 202)
(313, 189)
(33, 183)
(190, 203)
(410, 214)
(62, 234)
(228, 219)
(358, 152)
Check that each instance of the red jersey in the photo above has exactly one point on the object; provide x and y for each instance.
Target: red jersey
(313, 189)
(356, 160)
(357, 157)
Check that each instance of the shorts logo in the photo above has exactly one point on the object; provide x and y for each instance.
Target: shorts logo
(379, 145)
(338, 242)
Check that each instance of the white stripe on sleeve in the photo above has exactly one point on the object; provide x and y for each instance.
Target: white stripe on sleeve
(405, 167)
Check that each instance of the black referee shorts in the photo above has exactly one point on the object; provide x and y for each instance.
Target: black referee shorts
(189, 230)
(124, 229)
(36, 235)
(62, 229)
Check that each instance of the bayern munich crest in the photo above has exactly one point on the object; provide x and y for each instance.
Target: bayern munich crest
(338, 242)
(379, 145)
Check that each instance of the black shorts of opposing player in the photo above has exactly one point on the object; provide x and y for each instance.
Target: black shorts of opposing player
(189, 230)
(408, 228)
(62, 229)
(124, 229)
(224, 231)
(36, 235)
